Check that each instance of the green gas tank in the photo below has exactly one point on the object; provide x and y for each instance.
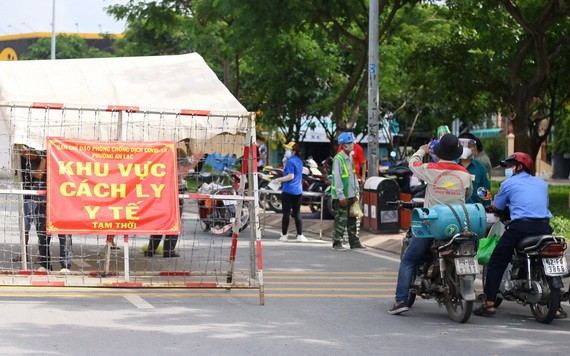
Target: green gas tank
(440, 221)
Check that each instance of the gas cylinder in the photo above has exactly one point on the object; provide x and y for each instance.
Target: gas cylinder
(440, 222)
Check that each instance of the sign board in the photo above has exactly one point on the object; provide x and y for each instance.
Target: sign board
(96, 187)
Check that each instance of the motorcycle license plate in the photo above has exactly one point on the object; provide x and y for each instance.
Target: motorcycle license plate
(555, 266)
(230, 202)
(466, 265)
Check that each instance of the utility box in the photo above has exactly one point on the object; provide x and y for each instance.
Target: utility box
(378, 216)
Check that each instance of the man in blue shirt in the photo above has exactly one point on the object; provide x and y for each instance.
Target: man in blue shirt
(292, 191)
(527, 198)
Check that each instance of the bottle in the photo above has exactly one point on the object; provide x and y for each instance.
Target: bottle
(442, 130)
(484, 194)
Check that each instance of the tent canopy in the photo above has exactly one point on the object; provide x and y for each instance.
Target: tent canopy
(161, 82)
(161, 86)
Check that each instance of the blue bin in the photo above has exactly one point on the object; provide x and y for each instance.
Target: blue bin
(440, 223)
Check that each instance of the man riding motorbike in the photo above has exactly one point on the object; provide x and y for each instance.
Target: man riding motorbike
(446, 183)
(527, 199)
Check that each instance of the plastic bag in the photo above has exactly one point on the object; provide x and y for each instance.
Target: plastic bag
(355, 210)
(486, 248)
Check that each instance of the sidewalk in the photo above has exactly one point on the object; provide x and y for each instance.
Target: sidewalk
(385, 242)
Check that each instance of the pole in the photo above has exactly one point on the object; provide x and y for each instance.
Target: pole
(53, 30)
(373, 90)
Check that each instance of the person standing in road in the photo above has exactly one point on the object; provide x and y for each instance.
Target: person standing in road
(44, 239)
(359, 159)
(292, 191)
(446, 183)
(344, 190)
(29, 163)
(171, 240)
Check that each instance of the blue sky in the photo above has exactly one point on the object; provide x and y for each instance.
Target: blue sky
(86, 16)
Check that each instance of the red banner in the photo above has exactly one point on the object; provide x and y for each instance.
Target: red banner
(96, 187)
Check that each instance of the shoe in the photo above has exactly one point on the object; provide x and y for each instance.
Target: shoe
(42, 269)
(170, 254)
(302, 238)
(358, 247)
(148, 253)
(560, 314)
(483, 310)
(338, 247)
(398, 308)
(284, 238)
(17, 259)
(65, 270)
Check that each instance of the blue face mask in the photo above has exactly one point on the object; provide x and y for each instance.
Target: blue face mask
(508, 173)
(288, 153)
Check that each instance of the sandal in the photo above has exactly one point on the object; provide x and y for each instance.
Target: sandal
(483, 310)
(560, 314)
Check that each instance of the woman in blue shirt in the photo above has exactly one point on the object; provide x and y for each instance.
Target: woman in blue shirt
(292, 190)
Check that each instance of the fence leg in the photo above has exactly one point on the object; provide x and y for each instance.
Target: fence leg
(322, 208)
(126, 254)
(108, 245)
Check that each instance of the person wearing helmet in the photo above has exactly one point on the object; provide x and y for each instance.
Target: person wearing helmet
(292, 192)
(344, 188)
(446, 183)
(359, 159)
(527, 199)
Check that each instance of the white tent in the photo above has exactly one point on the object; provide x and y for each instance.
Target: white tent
(159, 88)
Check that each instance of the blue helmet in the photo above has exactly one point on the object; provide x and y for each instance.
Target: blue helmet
(345, 137)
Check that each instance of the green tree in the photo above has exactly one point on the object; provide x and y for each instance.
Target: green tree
(503, 55)
(67, 46)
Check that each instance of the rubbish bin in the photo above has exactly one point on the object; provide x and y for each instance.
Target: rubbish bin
(378, 216)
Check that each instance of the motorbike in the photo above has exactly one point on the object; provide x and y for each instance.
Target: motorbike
(447, 271)
(219, 215)
(534, 276)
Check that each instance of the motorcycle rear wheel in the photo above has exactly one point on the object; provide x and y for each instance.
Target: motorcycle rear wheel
(458, 309)
(545, 310)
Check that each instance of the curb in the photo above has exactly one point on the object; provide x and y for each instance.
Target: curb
(311, 227)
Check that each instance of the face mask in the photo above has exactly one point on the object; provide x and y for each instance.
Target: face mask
(349, 146)
(509, 173)
(466, 153)
(288, 153)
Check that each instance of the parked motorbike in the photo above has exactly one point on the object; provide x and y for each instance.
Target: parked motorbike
(447, 271)
(219, 215)
(270, 201)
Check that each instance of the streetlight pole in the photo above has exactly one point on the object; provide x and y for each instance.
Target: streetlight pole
(53, 30)
(373, 89)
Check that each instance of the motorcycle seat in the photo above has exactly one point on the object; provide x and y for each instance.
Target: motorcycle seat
(530, 242)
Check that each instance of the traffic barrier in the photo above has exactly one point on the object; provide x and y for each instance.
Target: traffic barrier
(111, 255)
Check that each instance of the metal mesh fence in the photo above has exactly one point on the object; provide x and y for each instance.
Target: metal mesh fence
(219, 246)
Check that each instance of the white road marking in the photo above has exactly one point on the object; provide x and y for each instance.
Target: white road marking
(138, 302)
